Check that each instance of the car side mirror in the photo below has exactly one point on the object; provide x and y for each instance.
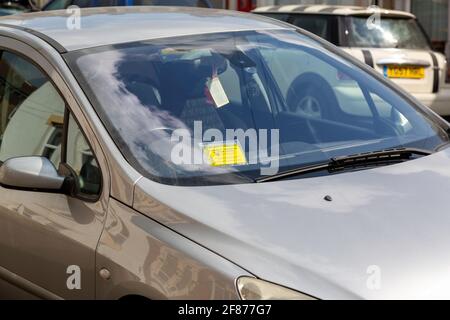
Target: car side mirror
(30, 173)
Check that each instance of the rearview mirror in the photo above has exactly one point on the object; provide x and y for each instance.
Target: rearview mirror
(36, 173)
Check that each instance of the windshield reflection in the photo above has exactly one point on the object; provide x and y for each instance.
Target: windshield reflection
(266, 99)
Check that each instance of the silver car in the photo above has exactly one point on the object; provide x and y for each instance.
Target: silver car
(168, 153)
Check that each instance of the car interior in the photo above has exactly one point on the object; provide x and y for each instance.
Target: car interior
(186, 97)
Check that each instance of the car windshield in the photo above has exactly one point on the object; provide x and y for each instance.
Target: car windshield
(388, 33)
(230, 107)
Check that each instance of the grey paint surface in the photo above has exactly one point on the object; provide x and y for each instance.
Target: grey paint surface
(393, 217)
(149, 259)
(105, 26)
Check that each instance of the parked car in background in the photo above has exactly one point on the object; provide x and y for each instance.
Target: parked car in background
(63, 4)
(396, 45)
(8, 7)
(91, 124)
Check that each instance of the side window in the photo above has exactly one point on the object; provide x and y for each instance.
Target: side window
(32, 123)
(81, 160)
(305, 81)
(324, 26)
(31, 111)
(391, 115)
(351, 98)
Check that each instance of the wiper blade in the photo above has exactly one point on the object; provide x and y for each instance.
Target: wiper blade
(388, 155)
(365, 159)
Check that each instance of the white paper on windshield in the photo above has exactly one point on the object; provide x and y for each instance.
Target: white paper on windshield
(217, 92)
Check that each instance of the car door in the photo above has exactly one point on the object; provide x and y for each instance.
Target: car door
(47, 239)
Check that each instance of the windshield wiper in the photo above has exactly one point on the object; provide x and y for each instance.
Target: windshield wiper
(374, 158)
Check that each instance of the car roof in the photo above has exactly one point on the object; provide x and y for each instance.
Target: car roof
(114, 25)
(331, 10)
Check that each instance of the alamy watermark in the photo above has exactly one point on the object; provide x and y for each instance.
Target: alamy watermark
(374, 20)
(73, 281)
(373, 281)
(262, 147)
(73, 21)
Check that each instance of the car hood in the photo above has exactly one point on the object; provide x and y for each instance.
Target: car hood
(385, 234)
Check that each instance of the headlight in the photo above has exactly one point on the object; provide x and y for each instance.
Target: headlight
(256, 289)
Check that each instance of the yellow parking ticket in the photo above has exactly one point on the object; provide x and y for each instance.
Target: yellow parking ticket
(224, 154)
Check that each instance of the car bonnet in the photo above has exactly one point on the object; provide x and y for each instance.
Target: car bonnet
(385, 234)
